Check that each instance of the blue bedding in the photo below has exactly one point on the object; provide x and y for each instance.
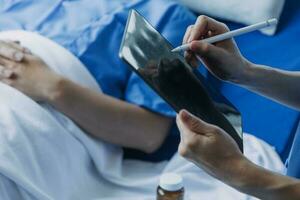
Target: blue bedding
(92, 32)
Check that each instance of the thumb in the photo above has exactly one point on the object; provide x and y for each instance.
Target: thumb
(205, 50)
(192, 122)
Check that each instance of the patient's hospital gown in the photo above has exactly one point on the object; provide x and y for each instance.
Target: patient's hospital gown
(74, 166)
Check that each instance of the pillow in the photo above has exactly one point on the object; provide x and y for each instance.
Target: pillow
(241, 11)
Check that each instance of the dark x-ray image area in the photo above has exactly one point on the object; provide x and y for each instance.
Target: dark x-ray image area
(150, 56)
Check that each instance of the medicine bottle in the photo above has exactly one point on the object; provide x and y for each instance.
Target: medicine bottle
(170, 187)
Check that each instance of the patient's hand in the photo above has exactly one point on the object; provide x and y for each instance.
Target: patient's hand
(28, 73)
(13, 50)
(223, 59)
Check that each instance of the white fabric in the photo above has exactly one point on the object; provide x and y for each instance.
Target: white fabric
(44, 155)
(246, 11)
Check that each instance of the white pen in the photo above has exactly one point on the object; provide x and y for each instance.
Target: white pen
(231, 34)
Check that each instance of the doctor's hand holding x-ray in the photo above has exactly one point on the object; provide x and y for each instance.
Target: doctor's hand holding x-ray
(208, 146)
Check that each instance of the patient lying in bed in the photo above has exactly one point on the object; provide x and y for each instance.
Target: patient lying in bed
(44, 155)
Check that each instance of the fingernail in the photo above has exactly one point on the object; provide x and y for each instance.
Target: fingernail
(18, 56)
(185, 115)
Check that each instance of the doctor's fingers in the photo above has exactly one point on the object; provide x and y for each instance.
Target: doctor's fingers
(205, 24)
(187, 54)
(185, 133)
(187, 34)
(192, 58)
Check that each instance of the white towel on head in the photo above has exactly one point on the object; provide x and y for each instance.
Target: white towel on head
(44, 155)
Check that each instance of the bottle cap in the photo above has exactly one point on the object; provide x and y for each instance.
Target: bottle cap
(171, 182)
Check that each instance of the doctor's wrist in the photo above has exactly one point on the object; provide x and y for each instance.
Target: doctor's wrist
(236, 171)
(254, 180)
(246, 74)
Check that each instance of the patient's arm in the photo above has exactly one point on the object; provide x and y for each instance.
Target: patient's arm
(102, 116)
(108, 118)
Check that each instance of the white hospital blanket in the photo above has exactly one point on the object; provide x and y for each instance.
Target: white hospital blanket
(44, 155)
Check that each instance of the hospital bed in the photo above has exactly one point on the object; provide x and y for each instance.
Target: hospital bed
(83, 32)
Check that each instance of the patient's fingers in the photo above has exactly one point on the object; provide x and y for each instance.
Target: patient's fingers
(14, 44)
(7, 63)
(5, 73)
(10, 52)
(17, 45)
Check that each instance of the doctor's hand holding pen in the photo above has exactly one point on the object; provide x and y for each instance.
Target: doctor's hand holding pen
(223, 59)
(210, 147)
